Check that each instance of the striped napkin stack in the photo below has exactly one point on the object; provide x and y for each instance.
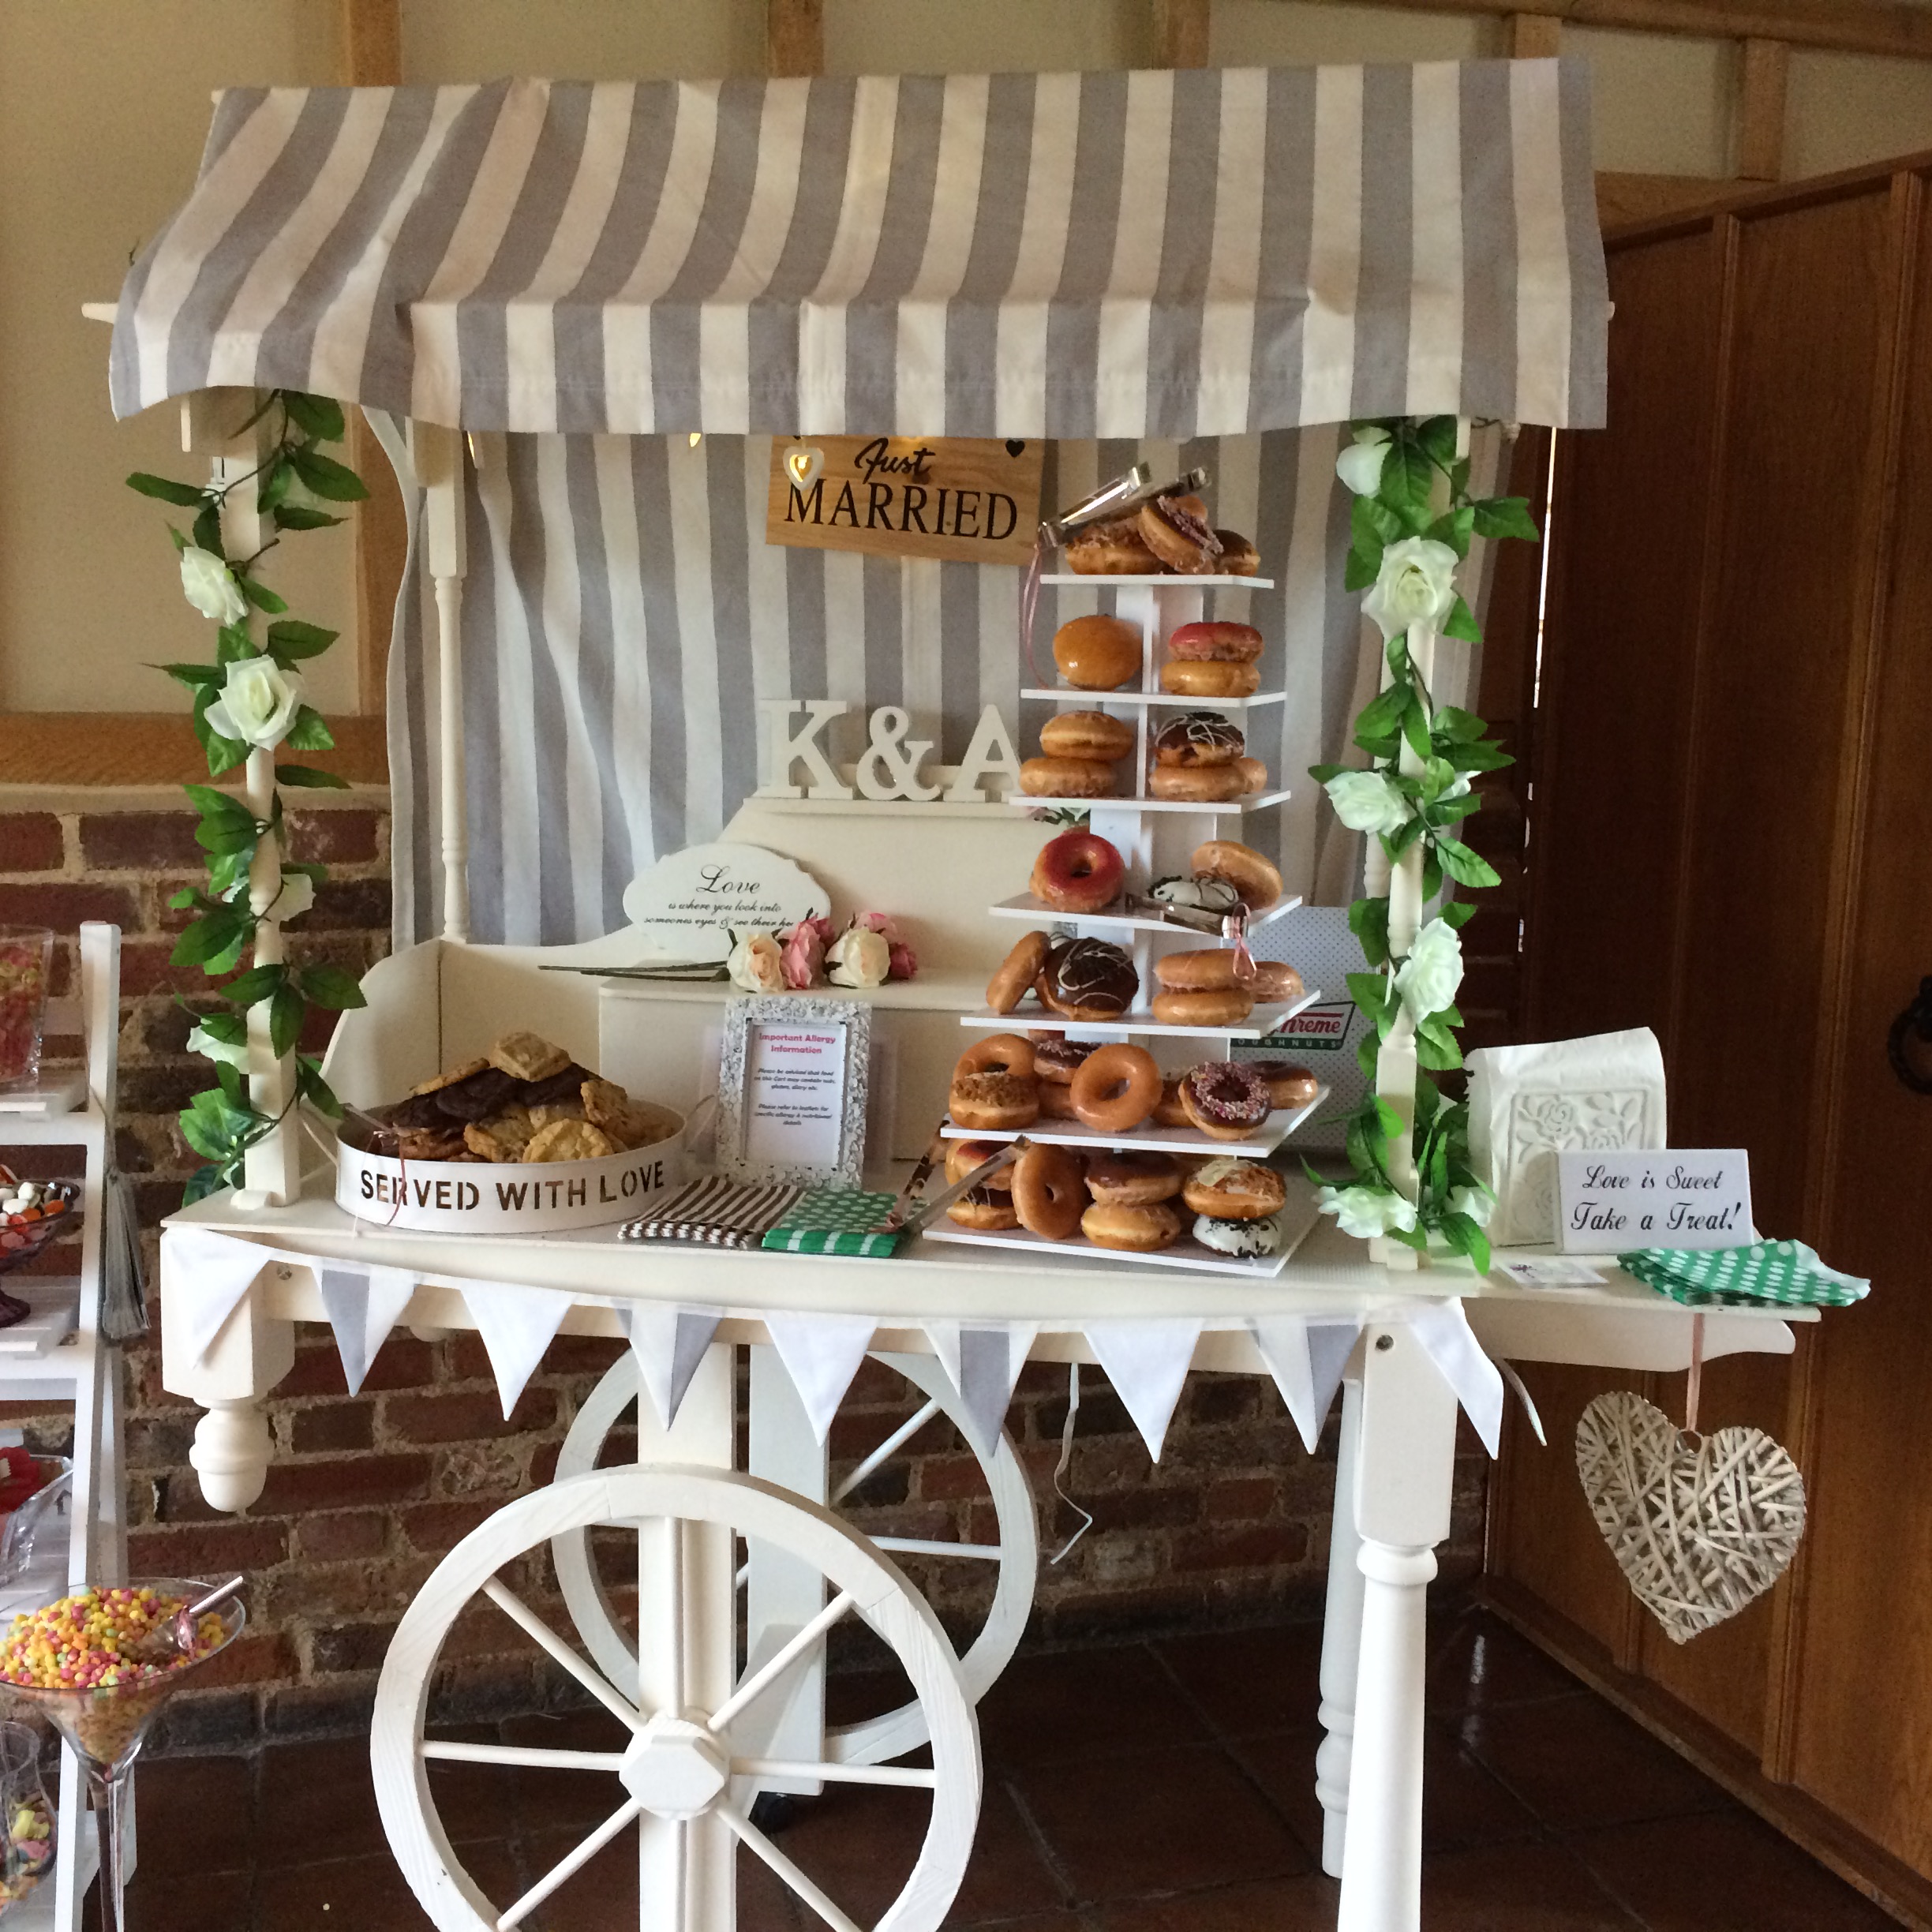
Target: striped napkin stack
(717, 1212)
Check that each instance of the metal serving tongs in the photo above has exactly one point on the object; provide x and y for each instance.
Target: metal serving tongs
(1116, 499)
(907, 1217)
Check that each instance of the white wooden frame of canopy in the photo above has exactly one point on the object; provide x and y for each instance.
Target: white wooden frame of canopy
(688, 1777)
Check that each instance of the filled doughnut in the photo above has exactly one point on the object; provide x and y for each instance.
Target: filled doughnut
(983, 1209)
(964, 1156)
(1207, 784)
(1234, 1190)
(1017, 971)
(1258, 1238)
(1087, 734)
(1239, 558)
(1065, 777)
(1197, 738)
(1049, 1192)
(1098, 652)
(1116, 1088)
(1225, 1099)
(1254, 775)
(1056, 1059)
(1078, 872)
(1131, 1180)
(1228, 1006)
(1244, 868)
(1087, 979)
(1133, 1231)
(1288, 1085)
(1112, 548)
(998, 1053)
(1216, 643)
(1188, 677)
(1275, 980)
(1176, 530)
(1212, 971)
(992, 1103)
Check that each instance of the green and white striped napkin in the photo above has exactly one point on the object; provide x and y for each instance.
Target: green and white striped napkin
(1783, 1273)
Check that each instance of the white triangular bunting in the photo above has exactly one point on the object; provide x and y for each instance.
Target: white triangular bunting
(983, 1364)
(362, 1306)
(669, 1343)
(1444, 1332)
(516, 1325)
(1284, 1343)
(1147, 1362)
(205, 1275)
(822, 1354)
(1331, 1344)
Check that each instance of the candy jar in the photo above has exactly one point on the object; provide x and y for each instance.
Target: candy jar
(26, 965)
(26, 1817)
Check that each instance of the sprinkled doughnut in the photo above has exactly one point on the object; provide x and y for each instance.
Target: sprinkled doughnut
(1225, 1099)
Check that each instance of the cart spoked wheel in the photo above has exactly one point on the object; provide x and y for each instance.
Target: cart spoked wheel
(693, 1755)
(876, 1739)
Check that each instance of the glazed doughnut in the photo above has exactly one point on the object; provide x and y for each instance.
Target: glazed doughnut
(1065, 777)
(1114, 549)
(1254, 774)
(1133, 1231)
(964, 1156)
(1056, 1100)
(1118, 1180)
(1078, 872)
(1225, 1099)
(1056, 1057)
(1288, 1085)
(992, 1102)
(1049, 1192)
(1175, 528)
(1208, 785)
(1116, 1088)
(1228, 1007)
(1087, 734)
(1244, 868)
(1170, 1113)
(1238, 1237)
(1239, 558)
(998, 1053)
(1098, 652)
(1276, 980)
(1017, 971)
(1198, 738)
(1215, 643)
(1234, 1190)
(1188, 677)
(981, 1209)
(1087, 979)
(1211, 971)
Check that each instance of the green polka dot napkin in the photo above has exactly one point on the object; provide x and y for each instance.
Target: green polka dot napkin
(1783, 1273)
(837, 1221)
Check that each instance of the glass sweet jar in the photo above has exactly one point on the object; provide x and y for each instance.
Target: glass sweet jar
(26, 965)
(26, 1817)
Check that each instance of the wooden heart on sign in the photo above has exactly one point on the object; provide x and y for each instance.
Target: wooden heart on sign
(1700, 1526)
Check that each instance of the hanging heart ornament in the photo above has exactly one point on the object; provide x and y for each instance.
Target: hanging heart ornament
(1700, 1525)
(803, 464)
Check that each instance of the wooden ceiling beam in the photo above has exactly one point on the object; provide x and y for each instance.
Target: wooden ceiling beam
(794, 37)
(1180, 32)
(1535, 36)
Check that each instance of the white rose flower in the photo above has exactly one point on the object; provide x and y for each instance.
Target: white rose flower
(1367, 1211)
(1416, 585)
(756, 965)
(859, 958)
(1360, 465)
(1477, 1203)
(1365, 801)
(258, 701)
(1429, 978)
(209, 585)
(200, 1042)
(297, 896)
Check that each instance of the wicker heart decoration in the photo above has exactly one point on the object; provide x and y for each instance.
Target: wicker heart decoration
(1699, 1524)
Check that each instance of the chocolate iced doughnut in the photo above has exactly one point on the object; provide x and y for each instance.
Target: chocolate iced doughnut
(1198, 738)
(1088, 979)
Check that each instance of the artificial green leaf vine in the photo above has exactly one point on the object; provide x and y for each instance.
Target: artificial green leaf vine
(1410, 527)
(252, 697)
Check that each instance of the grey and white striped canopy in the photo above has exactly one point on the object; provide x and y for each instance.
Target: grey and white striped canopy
(1206, 253)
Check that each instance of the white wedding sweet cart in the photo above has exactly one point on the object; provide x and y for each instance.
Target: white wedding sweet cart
(552, 293)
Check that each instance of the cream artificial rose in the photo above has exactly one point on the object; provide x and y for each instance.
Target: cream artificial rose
(859, 958)
(1427, 979)
(297, 896)
(258, 701)
(1477, 1203)
(1360, 465)
(1416, 585)
(200, 1042)
(1367, 1211)
(1365, 801)
(756, 965)
(209, 585)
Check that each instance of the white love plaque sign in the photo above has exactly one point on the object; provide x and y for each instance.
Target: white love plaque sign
(690, 902)
(1611, 1200)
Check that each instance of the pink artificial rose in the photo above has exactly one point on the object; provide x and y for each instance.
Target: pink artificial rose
(802, 953)
(905, 961)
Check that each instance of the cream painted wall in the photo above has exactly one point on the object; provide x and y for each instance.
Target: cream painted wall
(104, 104)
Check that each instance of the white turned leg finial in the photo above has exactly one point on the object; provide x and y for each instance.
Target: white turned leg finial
(230, 1454)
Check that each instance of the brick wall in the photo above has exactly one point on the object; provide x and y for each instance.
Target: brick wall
(367, 1493)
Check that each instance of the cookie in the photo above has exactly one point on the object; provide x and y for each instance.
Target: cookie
(555, 1089)
(525, 1056)
(567, 1140)
(556, 1110)
(451, 1076)
(479, 1098)
(415, 1114)
(503, 1137)
(606, 1105)
(431, 1144)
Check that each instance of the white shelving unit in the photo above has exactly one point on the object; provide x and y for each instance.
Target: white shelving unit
(57, 1356)
(1155, 837)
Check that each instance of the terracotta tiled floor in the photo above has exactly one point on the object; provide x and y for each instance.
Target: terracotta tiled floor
(1163, 1787)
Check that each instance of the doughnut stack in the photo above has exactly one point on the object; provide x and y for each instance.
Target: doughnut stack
(1170, 536)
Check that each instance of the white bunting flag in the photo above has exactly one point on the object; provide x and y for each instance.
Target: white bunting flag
(1444, 1332)
(984, 1364)
(206, 1274)
(516, 1324)
(1147, 1362)
(362, 1306)
(822, 1354)
(1306, 1359)
(669, 1343)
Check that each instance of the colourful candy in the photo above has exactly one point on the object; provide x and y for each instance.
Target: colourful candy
(88, 1641)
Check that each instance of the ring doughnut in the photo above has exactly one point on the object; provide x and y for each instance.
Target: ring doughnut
(1239, 557)
(1175, 528)
(1087, 734)
(1116, 1088)
(1056, 1059)
(1209, 784)
(964, 1156)
(1288, 1085)
(1198, 738)
(998, 1053)
(1225, 1099)
(1234, 1190)
(1134, 1230)
(992, 1102)
(1118, 1180)
(1017, 971)
(1087, 979)
(1216, 643)
(1244, 868)
(1049, 1192)
(981, 1209)
(1275, 980)
(1169, 1112)
(1078, 872)
(1228, 1007)
(1188, 677)
(1208, 972)
(1065, 777)
(1056, 1099)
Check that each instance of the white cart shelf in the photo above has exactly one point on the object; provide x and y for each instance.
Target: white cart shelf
(1158, 700)
(1037, 912)
(1150, 1139)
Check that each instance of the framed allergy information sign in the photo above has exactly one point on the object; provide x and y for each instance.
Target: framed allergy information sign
(792, 1084)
